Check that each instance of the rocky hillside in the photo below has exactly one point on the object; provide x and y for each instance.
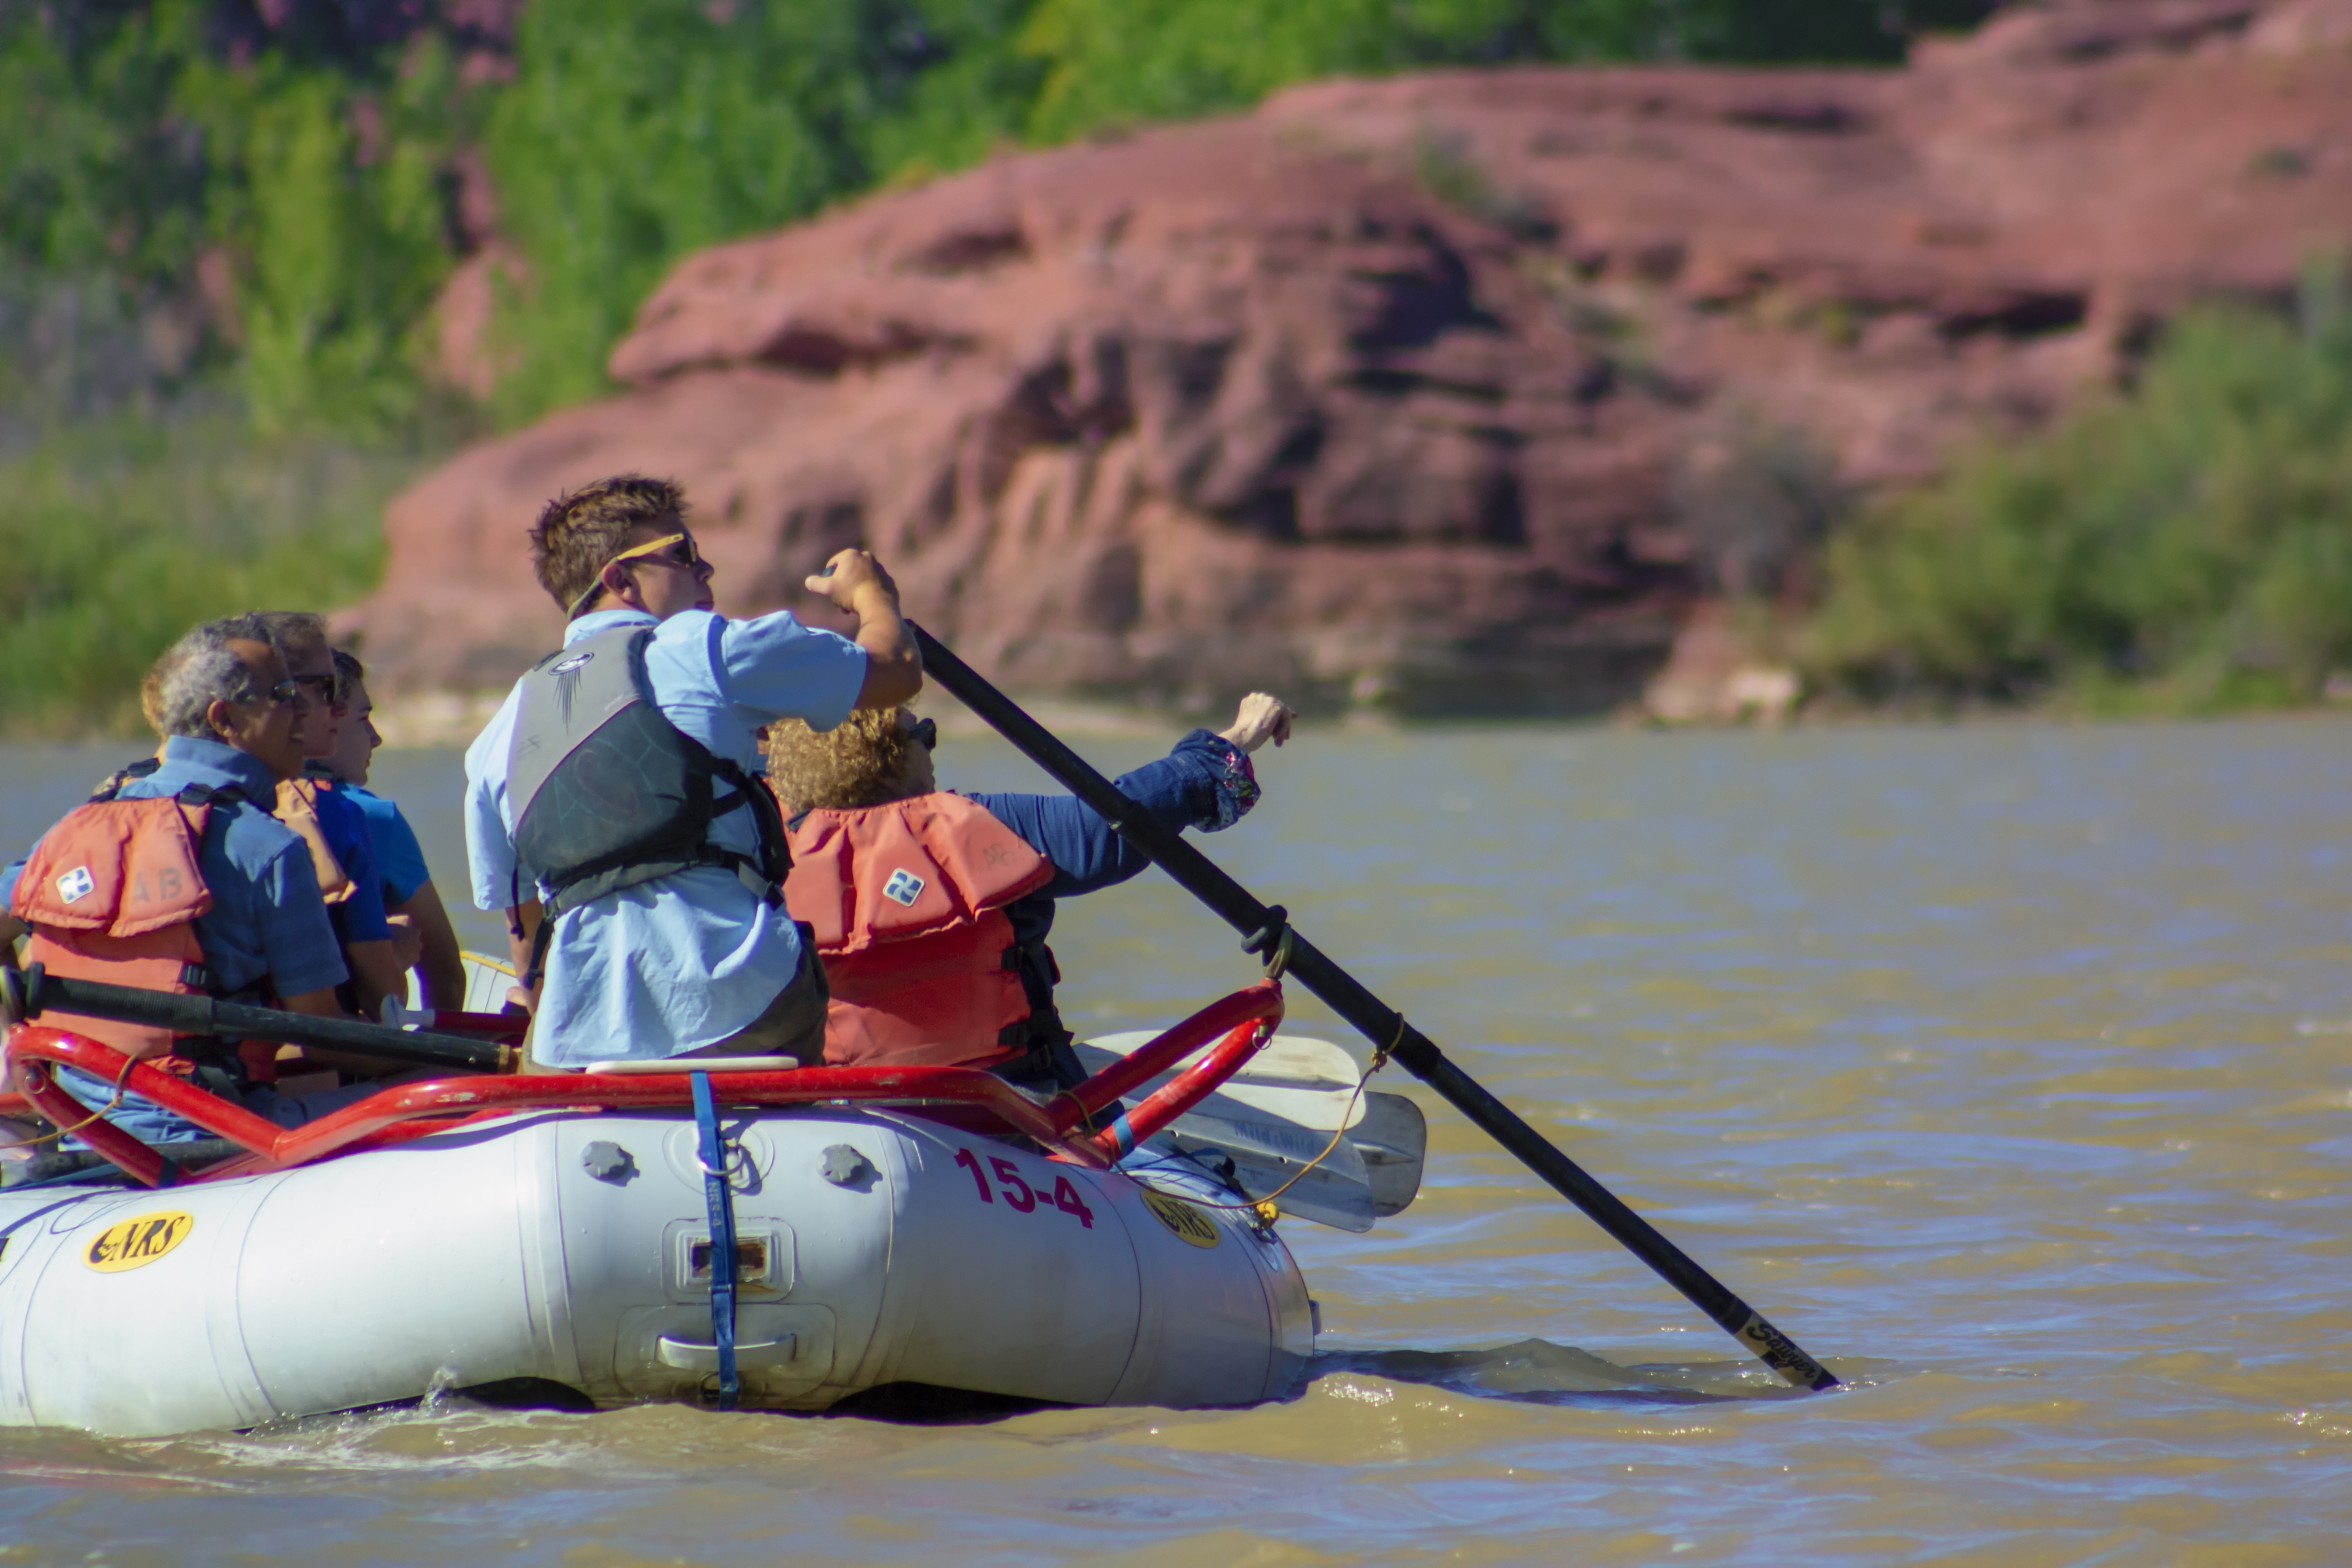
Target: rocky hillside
(1456, 392)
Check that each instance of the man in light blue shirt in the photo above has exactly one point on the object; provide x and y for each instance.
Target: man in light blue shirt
(702, 957)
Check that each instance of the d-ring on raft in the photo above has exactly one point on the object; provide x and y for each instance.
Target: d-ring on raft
(930, 1225)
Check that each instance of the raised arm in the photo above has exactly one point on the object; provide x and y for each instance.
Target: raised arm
(856, 582)
(1205, 783)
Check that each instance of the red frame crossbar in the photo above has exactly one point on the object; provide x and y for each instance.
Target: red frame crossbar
(1065, 1122)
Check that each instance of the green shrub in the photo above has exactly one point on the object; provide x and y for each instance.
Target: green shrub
(121, 535)
(1117, 61)
(2188, 545)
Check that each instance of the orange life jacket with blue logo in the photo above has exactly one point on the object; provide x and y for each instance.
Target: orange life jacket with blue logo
(112, 893)
(907, 902)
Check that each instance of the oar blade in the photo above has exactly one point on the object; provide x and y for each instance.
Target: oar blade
(1270, 1130)
(486, 980)
(1301, 1081)
(1325, 1196)
(1392, 1138)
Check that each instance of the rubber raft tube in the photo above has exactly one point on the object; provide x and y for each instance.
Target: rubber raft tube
(875, 1247)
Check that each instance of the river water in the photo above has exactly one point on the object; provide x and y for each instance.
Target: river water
(2008, 1068)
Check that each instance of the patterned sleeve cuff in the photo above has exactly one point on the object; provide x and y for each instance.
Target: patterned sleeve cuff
(1226, 768)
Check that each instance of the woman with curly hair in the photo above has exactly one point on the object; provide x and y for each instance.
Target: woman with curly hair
(931, 909)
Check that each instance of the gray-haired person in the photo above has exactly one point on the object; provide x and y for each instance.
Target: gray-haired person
(232, 719)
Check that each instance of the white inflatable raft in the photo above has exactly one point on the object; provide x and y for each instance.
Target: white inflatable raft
(875, 1248)
(553, 1243)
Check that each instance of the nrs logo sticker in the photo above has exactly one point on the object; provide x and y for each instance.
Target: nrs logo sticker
(577, 662)
(1189, 1223)
(903, 888)
(77, 883)
(138, 1241)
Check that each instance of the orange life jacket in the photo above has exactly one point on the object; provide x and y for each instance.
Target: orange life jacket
(907, 901)
(112, 893)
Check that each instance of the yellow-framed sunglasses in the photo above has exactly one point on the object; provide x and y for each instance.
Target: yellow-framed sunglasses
(691, 561)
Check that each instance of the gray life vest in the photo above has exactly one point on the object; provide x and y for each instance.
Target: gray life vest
(606, 792)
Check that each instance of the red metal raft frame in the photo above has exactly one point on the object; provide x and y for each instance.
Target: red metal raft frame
(1065, 1123)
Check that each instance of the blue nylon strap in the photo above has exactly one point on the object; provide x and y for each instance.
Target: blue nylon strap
(718, 1196)
(1123, 1135)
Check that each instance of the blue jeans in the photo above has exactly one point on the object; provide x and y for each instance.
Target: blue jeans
(150, 1124)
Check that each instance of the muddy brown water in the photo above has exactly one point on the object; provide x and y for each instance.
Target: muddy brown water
(2007, 1067)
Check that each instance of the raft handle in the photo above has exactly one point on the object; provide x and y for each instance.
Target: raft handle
(693, 1355)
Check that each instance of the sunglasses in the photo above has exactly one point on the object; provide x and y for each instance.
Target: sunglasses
(926, 734)
(659, 552)
(285, 694)
(326, 691)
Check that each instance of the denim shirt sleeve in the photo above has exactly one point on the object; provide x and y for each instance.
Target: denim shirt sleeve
(1206, 782)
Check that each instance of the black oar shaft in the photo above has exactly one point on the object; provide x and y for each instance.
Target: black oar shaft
(1378, 1022)
(196, 1015)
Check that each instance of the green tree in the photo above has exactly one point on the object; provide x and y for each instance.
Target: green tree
(91, 177)
(340, 240)
(129, 145)
(639, 129)
(315, 155)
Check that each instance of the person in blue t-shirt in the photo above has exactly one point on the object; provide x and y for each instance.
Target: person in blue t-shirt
(409, 897)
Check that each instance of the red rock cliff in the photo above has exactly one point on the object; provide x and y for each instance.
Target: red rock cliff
(1456, 391)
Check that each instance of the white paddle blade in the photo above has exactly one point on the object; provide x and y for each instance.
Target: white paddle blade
(1393, 1138)
(1308, 1083)
(1274, 1117)
(1325, 1196)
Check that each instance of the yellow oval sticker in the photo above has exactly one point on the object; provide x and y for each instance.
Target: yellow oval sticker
(138, 1241)
(1189, 1223)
